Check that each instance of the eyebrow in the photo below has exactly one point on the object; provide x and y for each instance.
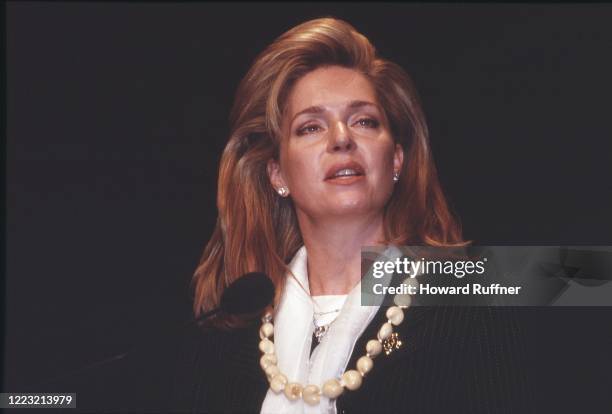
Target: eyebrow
(320, 109)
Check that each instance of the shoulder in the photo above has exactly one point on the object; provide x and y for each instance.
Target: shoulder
(458, 359)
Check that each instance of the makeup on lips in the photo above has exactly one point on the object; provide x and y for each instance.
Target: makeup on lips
(345, 173)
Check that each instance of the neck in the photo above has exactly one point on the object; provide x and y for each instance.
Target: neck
(334, 251)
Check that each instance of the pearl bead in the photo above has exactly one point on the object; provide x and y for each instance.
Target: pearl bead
(332, 389)
(411, 281)
(364, 365)
(278, 383)
(311, 395)
(271, 370)
(373, 347)
(385, 331)
(402, 300)
(395, 315)
(266, 346)
(266, 330)
(293, 391)
(267, 359)
(352, 379)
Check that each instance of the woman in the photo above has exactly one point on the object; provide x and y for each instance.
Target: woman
(329, 152)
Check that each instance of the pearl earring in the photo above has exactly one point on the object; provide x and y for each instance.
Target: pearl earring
(283, 191)
(396, 176)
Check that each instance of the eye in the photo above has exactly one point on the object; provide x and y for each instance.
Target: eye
(308, 129)
(367, 123)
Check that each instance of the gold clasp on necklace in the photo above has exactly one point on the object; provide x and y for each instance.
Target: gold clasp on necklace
(391, 343)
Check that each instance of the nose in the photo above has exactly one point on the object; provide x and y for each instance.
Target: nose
(340, 138)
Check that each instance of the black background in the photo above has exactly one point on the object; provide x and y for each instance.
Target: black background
(117, 115)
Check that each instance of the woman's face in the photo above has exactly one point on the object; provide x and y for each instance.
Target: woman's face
(337, 156)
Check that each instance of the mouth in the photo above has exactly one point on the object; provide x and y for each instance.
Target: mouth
(347, 171)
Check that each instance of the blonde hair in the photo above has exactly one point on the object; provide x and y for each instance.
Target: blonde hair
(256, 229)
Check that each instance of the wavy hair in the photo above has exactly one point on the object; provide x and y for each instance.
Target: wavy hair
(257, 230)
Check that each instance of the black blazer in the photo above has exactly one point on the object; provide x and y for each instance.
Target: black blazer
(453, 360)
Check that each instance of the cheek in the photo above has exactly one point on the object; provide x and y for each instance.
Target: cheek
(382, 161)
(300, 170)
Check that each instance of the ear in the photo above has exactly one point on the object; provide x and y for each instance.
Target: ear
(398, 158)
(275, 175)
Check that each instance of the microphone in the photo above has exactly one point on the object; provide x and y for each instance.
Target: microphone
(247, 294)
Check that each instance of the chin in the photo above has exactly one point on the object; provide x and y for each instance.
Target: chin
(358, 201)
(351, 206)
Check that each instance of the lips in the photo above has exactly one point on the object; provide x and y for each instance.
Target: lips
(344, 169)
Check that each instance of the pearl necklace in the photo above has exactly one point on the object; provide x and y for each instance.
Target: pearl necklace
(332, 388)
